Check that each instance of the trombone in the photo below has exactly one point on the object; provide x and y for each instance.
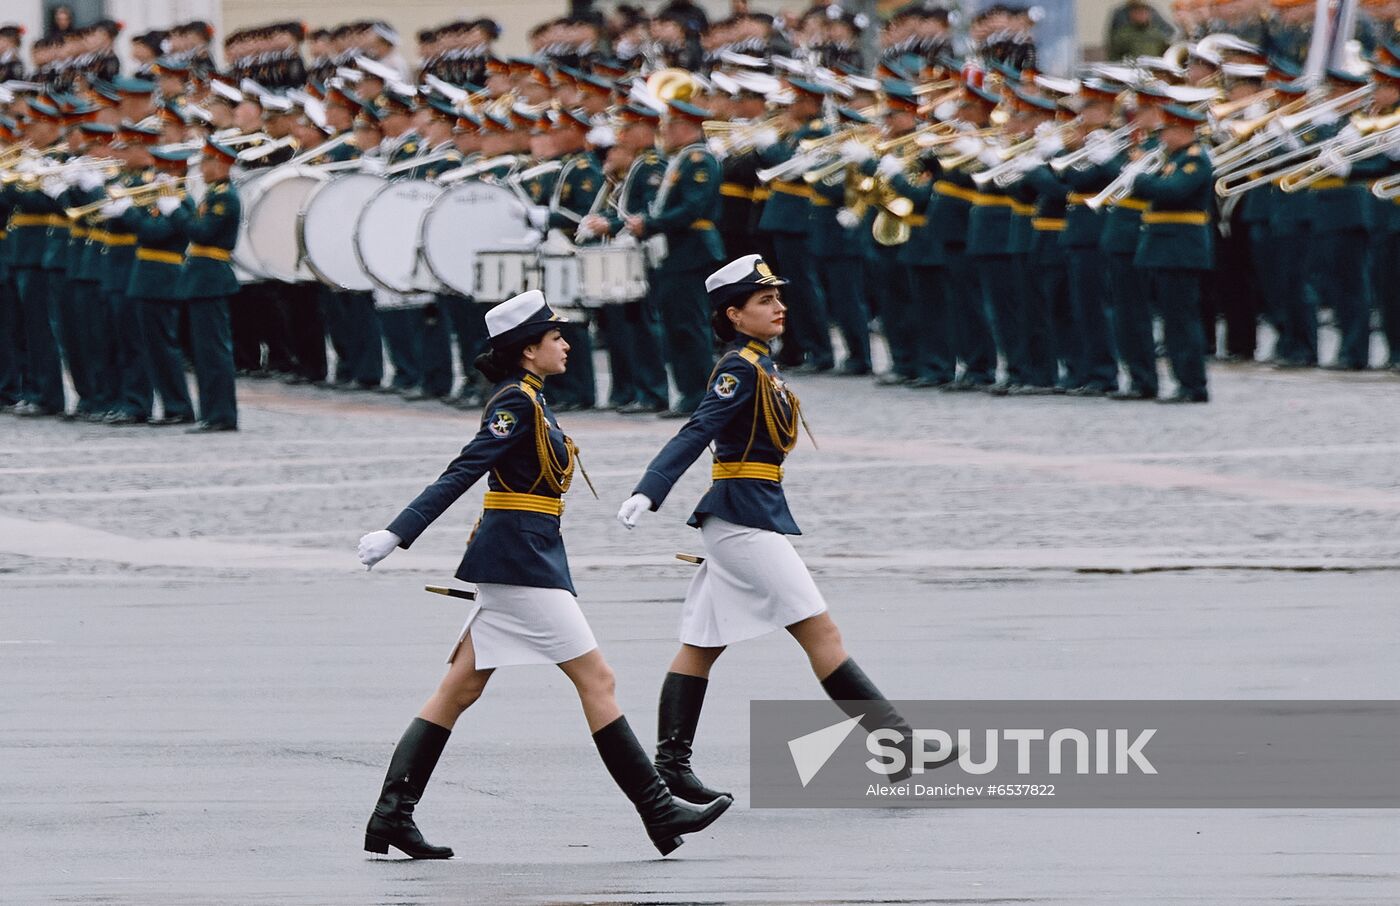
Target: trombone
(1118, 139)
(136, 194)
(1122, 184)
(1376, 133)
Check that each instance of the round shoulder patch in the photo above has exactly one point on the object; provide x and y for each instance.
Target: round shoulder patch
(726, 385)
(502, 422)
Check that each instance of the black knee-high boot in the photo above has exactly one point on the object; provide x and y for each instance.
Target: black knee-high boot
(392, 822)
(856, 695)
(666, 817)
(677, 716)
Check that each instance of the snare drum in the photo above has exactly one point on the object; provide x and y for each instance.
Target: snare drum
(502, 274)
(328, 230)
(559, 279)
(612, 273)
(466, 219)
(386, 236)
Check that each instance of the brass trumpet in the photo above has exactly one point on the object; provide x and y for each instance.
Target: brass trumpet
(137, 195)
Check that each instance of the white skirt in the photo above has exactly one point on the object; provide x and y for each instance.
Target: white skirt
(517, 624)
(751, 583)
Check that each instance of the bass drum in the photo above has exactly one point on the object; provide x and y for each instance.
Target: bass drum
(465, 220)
(386, 236)
(327, 230)
(245, 264)
(273, 223)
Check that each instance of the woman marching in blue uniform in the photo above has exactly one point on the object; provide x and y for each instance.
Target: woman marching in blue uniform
(751, 581)
(525, 611)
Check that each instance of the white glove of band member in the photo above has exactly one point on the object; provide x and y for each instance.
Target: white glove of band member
(946, 111)
(114, 209)
(374, 166)
(1391, 148)
(990, 157)
(765, 138)
(968, 146)
(1025, 163)
(889, 165)
(854, 152)
(1326, 118)
(1334, 163)
(89, 180)
(167, 204)
(54, 186)
(1048, 146)
(847, 219)
(163, 179)
(716, 146)
(376, 546)
(633, 507)
(539, 216)
(601, 136)
(1100, 153)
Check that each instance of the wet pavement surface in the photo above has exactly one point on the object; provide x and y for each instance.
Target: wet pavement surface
(202, 687)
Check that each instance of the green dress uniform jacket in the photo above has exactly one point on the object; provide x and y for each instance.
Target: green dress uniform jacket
(951, 206)
(789, 205)
(119, 237)
(828, 238)
(1176, 230)
(924, 248)
(690, 209)
(641, 183)
(160, 255)
(29, 224)
(1083, 226)
(1340, 204)
(581, 185)
(212, 230)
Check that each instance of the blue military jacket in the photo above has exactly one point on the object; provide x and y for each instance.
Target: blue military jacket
(508, 546)
(744, 386)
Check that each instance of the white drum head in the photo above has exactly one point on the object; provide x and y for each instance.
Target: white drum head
(250, 186)
(328, 230)
(273, 222)
(386, 237)
(466, 219)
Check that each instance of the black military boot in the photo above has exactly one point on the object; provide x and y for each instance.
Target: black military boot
(392, 822)
(677, 716)
(856, 695)
(666, 817)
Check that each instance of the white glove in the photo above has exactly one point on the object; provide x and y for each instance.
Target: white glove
(1048, 146)
(633, 507)
(539, 216)
(167, 204)
(601, 136)
(1326, 117)
(113, 209)
(1025, 163)
(89, 180)
(855, 152)
(584, 232)
(989, 157)
(376, 546)
(1334, 163)
(847, 219)
(1349, 133)
(889, 165)
(27, 167)
(716, 146)
(765, 138)
(374, 166)
(54, 186)
(1100, 153)
(163, 179)
(946, 111)
(1391, 148)
(968, 146)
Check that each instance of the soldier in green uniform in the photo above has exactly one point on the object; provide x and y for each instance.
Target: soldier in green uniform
(683, 214)
(1175, 246)
(786, 219)
(32, 213)
(636, 369)
(206, 282)
(94, 313)
(155, 274)
(115, 240)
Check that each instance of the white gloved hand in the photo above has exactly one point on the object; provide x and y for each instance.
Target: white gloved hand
(889, 165)
(601, 136)
(968, 146)
(855, 152)
(1391, 148)
(113, 209)
(847, 219)
(1326, 118)
(1049, 145)
(1100, 153)
(167, 204)
(765, 138)
(1349, 133)
(633, 507)
(990, 157)
(163, 179)
(946, 111)
(1025, 163)
(1334, 163)
(54, 186)
(374, 166)
(26, 167)
(716, 146)
(376, 546)
(89, 180)
(538, 216)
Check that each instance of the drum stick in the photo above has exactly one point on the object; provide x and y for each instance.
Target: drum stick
(451, 592)
(690, 558)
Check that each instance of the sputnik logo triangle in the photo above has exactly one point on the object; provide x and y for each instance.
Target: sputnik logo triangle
(812, 751)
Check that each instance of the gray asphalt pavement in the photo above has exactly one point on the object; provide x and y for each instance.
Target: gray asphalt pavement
(201, 686)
